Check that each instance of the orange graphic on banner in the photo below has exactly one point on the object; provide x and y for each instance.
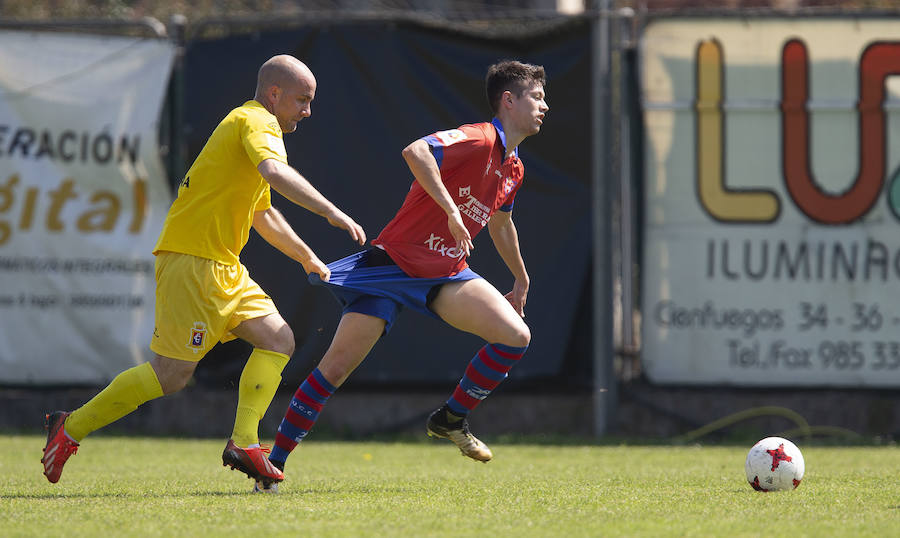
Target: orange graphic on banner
(717, 199)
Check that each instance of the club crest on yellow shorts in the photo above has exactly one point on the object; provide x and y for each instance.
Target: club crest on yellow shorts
(198, 336)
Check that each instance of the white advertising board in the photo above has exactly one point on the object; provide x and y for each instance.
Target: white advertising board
(772, 202)
(83, 195)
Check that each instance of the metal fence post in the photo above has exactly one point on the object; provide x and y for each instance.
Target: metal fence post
(175, 163)
(604, 393)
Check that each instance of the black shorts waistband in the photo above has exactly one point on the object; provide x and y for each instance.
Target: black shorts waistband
(377, 257)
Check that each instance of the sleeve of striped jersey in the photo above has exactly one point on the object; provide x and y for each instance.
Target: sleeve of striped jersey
(510, 200)
(455, 146)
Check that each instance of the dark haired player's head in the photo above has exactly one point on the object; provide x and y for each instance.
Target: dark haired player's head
(513, 76)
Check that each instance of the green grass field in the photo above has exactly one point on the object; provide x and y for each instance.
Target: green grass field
(124, 486)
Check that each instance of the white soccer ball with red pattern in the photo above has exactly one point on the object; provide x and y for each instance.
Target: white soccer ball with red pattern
(774, 464)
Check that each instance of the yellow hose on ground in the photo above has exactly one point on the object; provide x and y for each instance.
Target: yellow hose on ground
(803, 428)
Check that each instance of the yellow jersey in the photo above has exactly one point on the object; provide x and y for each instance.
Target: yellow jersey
(213, 212)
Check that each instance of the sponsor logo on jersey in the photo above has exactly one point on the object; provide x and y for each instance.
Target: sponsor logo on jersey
(436, 243)
(450, 137)
(508, 185)
(472, 208)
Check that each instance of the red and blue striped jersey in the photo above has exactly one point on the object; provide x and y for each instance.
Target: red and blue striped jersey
(479, 180)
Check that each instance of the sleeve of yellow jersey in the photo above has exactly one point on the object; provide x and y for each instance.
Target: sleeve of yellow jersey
(262, 140)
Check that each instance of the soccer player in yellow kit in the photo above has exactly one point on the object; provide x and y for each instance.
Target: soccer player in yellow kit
(203, 292)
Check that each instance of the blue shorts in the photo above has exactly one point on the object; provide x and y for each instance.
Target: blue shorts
(369, 282)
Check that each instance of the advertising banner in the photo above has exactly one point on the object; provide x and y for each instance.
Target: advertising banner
(772, 202)
(82, 199)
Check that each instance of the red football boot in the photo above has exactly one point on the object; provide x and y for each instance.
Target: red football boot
(252, 462)
(58, 448)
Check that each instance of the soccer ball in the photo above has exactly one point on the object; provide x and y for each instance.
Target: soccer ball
(774, 464)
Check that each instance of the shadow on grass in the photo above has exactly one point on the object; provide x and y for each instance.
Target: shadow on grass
(111, 494)
(144, 495)
(204, 494)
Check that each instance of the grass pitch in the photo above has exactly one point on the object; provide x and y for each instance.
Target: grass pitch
(125, 486)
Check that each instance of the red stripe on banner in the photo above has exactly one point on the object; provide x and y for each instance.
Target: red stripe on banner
(323, 392)
(491, 363)
(300, 395)
(480, 380)
(505, 355)
(464, 399)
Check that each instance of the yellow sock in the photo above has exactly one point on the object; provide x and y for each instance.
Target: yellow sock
(123, 395)
(259, 381)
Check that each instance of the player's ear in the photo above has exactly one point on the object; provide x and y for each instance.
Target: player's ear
(274, 93)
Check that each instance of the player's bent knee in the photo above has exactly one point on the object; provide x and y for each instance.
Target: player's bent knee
(524, 338)
(172, 374)
(289, 344)
(519, 337)
(283, 341)
(173, 384)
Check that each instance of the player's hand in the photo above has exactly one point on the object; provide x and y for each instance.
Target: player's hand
(315, 265)
(339, 219)
(518, 296)
(460, 233)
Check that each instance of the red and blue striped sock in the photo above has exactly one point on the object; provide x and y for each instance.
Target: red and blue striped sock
(300, 416)
(486, 370)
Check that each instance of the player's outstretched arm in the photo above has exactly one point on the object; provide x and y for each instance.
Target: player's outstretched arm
(293, 186)
(425, 169)
(506, 241)
(274, 228)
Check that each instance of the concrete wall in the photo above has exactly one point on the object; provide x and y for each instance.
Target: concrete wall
(645, 412)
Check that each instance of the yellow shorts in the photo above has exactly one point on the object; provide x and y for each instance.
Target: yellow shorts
(199, 302)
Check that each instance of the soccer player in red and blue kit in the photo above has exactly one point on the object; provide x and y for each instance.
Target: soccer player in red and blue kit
(465, 179)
